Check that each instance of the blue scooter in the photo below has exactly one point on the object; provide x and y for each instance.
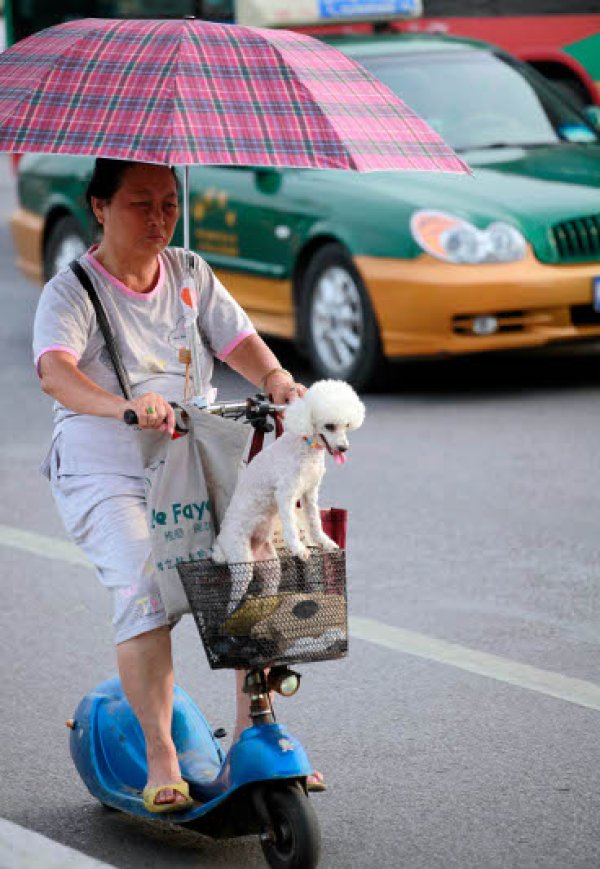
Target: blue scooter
(260, 786)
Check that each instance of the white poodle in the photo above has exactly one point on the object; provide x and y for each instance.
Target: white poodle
(288, 471)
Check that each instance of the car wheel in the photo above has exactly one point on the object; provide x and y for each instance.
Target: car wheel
(65, 243)
(338, 326)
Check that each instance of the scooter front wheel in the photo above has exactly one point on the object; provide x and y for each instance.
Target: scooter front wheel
(292, 839)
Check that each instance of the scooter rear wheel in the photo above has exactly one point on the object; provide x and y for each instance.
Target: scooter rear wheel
(293, 840)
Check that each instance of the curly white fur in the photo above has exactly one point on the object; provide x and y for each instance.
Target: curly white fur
(288, 471)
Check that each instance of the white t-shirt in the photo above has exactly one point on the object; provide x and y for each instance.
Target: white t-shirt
(149, 329)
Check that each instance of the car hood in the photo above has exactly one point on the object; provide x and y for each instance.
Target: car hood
(509, 182)
(532, 189)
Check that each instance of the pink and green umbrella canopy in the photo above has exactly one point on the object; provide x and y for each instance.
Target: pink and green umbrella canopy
(184, 92)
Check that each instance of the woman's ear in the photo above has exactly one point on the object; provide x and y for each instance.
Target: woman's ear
(297, 419)
(98, 208)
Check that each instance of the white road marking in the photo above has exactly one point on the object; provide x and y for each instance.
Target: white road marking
(39, 544)
(547, 682)
(21, 848)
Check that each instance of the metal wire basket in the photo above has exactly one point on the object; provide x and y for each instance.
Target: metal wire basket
(281, 611)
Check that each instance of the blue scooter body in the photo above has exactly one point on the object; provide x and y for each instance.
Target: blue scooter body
(108, 749)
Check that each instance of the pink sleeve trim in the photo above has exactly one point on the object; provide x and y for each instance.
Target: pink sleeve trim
(233, 344)
(60, 347)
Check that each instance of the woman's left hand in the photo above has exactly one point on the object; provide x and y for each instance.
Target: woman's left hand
(284, 390)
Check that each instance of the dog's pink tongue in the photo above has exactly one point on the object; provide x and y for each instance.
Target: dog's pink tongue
(339, 458)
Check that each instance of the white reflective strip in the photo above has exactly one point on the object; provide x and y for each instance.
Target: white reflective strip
(482, 663)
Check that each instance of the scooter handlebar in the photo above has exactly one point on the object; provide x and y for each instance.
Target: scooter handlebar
(253, 406)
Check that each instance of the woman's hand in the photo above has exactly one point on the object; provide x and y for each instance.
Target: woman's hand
(282, 387)
(152, 411)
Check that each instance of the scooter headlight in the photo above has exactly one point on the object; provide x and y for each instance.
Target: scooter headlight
(285, 681)
(451, 239)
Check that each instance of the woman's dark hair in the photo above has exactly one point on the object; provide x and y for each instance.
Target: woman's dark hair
(107, 177)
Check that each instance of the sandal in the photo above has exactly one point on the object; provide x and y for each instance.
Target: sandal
(316, 782)
(181, 787)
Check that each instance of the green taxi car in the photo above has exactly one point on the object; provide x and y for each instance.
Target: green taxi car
(357, 267)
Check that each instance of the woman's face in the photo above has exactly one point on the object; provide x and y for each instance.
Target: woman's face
(140, 219)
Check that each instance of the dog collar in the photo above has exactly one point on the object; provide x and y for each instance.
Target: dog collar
(312, 443)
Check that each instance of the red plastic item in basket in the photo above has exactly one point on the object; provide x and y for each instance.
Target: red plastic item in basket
(335, 524)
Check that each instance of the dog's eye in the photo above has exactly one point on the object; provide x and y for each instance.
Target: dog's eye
(330, 426)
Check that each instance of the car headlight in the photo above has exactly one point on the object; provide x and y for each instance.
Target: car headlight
(454, 240)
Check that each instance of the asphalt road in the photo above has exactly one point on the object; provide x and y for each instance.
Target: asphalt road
(466, 736)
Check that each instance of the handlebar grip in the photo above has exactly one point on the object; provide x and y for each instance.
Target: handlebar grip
(130, 417)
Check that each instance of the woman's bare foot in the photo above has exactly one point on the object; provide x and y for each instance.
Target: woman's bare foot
(168, 795)
(316, 782)
(163, 766)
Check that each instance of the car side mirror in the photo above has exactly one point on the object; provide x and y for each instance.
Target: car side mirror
(268, 180)
(592, 116)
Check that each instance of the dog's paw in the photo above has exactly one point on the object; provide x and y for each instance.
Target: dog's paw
(301, 551)
(217, 554)
(328, 545)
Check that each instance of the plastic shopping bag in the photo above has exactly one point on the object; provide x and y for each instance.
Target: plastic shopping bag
(189, 483)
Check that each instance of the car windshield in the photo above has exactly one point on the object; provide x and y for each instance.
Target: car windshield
(475, 99)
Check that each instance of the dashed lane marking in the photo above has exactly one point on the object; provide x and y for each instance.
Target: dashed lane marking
(547, 682)
(39, 544)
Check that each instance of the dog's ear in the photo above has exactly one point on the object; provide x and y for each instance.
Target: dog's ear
(356, 416)
(297, 418)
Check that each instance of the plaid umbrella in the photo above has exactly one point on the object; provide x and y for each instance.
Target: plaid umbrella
(186, 91)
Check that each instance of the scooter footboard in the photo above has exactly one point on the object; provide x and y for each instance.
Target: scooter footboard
(109, 751)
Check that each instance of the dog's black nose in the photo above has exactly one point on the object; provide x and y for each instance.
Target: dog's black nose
(342, 449)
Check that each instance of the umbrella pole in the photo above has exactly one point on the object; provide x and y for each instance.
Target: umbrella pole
(191, 329)
(186, 208)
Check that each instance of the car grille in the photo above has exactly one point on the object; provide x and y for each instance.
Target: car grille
(577, 240)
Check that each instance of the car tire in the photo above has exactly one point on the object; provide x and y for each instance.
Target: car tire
(338, 329)
(65, 243)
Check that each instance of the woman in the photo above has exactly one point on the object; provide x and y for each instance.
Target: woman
(95, 464)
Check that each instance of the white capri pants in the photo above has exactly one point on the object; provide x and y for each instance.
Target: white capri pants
(105, 515)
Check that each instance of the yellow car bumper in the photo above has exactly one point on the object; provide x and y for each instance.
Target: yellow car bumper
(427, 307)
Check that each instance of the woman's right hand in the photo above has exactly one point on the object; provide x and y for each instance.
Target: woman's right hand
(152, 411)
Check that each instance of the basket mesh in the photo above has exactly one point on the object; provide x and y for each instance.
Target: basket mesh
(281, 611)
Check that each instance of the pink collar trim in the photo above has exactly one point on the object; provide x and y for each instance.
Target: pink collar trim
(95, 264)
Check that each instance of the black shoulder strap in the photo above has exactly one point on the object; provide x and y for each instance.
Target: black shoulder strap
(111, 344)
